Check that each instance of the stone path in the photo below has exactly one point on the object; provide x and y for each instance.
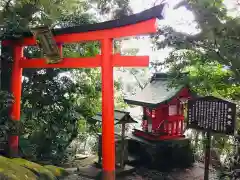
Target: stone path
(75, 177)
(194, 173)
(86, 162)
(145, 174)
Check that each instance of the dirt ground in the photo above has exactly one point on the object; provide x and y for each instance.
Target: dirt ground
(194, 173)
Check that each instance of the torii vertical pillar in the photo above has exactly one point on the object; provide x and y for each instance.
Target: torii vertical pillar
(108, 139)
(16, 88)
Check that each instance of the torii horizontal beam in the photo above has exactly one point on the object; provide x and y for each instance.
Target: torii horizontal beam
(125, 31)
(131, 30)
(89, 62)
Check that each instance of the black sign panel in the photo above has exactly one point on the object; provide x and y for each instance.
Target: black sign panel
(211, 113)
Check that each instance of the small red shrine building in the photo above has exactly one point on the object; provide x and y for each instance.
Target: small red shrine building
(163, 108)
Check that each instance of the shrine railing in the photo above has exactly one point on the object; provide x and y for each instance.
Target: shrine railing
(172, 127)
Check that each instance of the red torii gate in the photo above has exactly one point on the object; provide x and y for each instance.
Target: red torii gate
(138, 24)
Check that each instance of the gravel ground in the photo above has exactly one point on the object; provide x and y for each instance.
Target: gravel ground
(75, 177)
(146, 174)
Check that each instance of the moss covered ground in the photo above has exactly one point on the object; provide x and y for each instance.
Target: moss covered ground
(22, 169)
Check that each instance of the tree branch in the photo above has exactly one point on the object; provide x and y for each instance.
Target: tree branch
(139, 83)
(7, 6)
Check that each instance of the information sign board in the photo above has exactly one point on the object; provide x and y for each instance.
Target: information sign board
(212, 114)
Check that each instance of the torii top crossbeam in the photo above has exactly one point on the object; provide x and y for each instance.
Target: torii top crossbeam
(137, 24)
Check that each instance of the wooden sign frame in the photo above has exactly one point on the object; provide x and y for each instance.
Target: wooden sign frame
(211, 115)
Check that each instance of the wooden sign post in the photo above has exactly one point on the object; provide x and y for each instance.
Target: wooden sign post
(212, 115)
(207, 155)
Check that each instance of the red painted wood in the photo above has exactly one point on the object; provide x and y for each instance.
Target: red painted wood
(130, 61)
(141, 28)
(108, 139)
(89, 62)
(176, 117)
(155, 138)
(174, 127)
(13, 145)
(60, 47)
(159, 117)
(177, 127)
(6, 42)
(16, 88)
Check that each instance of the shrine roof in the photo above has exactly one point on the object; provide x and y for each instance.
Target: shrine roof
(120, 117)
(156, 92)
(155, 12)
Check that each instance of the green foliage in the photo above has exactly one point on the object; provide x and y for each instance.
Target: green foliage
(210, 56)
(56, 103)
(217, 40)
(17, 17)
(5, 102)
(116, 8)
(53, 104)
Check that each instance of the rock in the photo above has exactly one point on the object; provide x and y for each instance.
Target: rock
(38, 169)
(80, 156)
(57, 171)
(71, 170)
(195, 172)
(89, 171)
(86, 162)
(21, 169)
(163, 155)
(13, 171)
(75, 177)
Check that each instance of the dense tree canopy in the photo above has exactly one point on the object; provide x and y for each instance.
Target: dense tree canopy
(217, 42)
(210, 56)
